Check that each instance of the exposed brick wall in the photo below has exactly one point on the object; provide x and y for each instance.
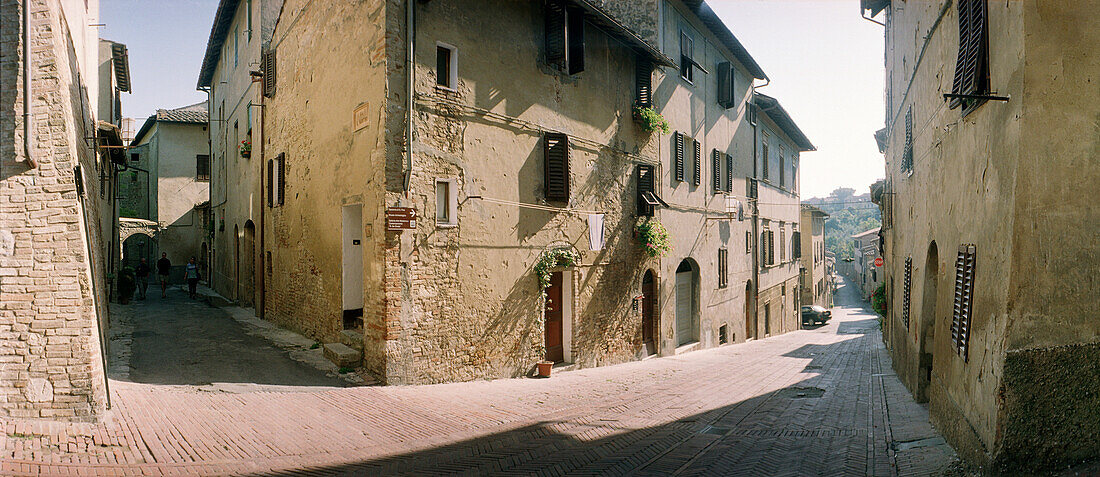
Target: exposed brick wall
(51, 289)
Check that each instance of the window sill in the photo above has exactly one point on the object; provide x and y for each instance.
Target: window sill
(445, 88)
(446, 225)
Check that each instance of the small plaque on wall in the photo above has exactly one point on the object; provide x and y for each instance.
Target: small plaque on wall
(361, 117)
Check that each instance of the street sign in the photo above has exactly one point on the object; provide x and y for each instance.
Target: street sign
(879, 262)
(400, 218)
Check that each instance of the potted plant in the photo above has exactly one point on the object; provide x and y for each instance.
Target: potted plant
(544, 368)
(650, 120)
(126, 285)
(653, 237)
(246, 148)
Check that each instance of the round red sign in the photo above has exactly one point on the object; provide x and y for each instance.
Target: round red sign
(879, 262)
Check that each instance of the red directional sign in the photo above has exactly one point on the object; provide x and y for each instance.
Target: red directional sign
(879, 262)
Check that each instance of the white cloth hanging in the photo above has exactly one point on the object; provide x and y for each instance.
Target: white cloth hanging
(595, 232)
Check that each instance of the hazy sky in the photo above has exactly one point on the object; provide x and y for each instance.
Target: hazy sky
(824, 61)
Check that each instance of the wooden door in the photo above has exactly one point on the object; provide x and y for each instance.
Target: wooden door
(649, 308)
(554, 304)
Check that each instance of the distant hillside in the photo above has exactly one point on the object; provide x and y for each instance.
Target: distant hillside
(849, 214)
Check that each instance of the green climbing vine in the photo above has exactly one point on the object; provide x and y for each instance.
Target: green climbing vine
(559, 257)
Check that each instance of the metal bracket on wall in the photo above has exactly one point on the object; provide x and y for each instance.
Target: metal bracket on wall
(990, 97)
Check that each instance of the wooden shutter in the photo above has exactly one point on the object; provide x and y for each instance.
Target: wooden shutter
(556, 166)
(748, 241)
(678, 156)
(723, 265)
(907, 154)
(972, 64)
(697, 162)
(281, 163)
(729, 173)
(270, 182)
(645, 184)
(267, 67)
(716, 168)
(796, 245)
(907, 286)
(555, 33)
(643, 82)
(725, 85)
(963, 300)
(574, 36)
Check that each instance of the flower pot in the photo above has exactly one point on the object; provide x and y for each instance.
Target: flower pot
(544, 369)
(246, 154)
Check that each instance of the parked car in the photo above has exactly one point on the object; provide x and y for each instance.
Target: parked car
(815, 314)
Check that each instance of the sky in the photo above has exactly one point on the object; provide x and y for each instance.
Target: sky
(824, 61)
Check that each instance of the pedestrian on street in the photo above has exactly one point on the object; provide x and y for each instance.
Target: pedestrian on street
(192, 276)
(142, 274)
(163, 267)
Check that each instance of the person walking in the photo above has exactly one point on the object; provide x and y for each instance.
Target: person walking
(164, 266)
(142, 274)
(192, 276)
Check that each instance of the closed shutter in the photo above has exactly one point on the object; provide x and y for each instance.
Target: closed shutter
(643, 82)
(796, 245)
(267, 66)
(574, 36)
(281, 161)
(771, 247)
(907, 284)
(963, 300)
(725, 85)
(270, 182)
(716, 169)
(723, 264)
(555, 33)
(556, 166)
(697, 162)
(748, 241)
(678, 156)
(729, 173)
(645, 184)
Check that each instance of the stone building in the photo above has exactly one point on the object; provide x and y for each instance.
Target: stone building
(241, 30)
(992, 163)
(867, 275)
(816, 274)
(55, 211)
(168, 182)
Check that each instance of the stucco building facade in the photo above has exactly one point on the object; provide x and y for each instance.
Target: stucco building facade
(865, 249)
(55, 211)
(168, 182)
(816, 274)
(990, 233)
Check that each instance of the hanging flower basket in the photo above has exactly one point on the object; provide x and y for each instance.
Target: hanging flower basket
(246, 148)
(653, 237)
(650, 120)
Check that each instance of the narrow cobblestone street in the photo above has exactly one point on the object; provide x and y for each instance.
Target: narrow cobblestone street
(812, 402)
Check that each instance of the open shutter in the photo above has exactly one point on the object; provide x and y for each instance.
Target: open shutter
(643, 82)
(697, 152)
(645, 185)
(270, 182)
(971, 67)
(556, 166)
(678, 156)
(716, 167)
(729, 173)
(906, 290)
(725, 83)
(555, 33)
(574, 36)
(907, 153)
(281, 162)
(267, 67)
(963, 303)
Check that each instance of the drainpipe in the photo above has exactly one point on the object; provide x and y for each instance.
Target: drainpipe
(28, 131)
(755, 213)
(409, 44)
(261, 308)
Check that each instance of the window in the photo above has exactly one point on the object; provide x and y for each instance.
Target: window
(907, 153)
(686, 48)
(726, 95)
(716, 170)
(767, 247)
(248, 15)
(202, 168)
(782, 169)
(748, 241)
(248, 119)
(906, 287)
(723, 268)
(678, 156)
(236, 56)
(796, 245)
(782, 243)
(643, 82)
(556, 166)
(267, 66)
(135, 157)
(972, 66)
(729, 173)
(446, 65)
(794, 172)
(697, 162)
(964, 294)
(723, 336)
(647, 194)
(764, 156)
(446, 202)
(564, 37)
(276, 180)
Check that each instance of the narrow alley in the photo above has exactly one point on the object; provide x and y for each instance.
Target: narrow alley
(812, 402)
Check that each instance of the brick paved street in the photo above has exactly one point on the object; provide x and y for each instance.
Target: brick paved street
(812, 402)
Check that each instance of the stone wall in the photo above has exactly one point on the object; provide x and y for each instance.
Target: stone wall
(52, 283)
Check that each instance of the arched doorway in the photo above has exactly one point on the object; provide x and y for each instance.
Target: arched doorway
(687, 304)
(649, 312)
(750, 311)
(926, 342)
(248, 261)
(137, 247)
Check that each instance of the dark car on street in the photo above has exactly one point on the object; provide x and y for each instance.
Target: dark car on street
(815, 314)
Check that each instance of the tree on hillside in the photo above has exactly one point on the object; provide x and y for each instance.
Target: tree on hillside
(849, 214)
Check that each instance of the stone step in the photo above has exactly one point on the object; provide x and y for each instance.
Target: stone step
(342, 355)
(352, 339)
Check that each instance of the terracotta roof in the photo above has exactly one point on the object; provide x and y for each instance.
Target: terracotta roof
(770, 106)
(720, 30)
(192, 113)
(222, 19)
